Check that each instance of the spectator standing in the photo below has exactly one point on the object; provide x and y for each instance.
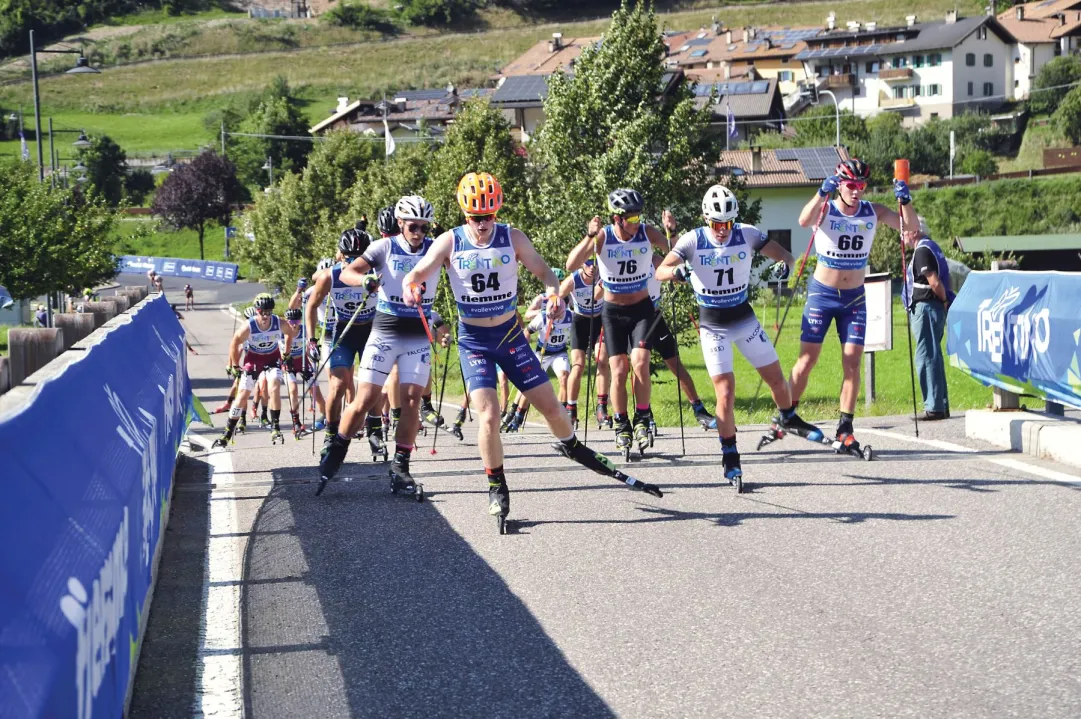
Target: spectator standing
(927, 295)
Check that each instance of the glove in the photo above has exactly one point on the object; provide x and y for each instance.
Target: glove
(302, 284)
(234, 371)
(829, 185)
(555, 307)
(901, 192)
(371, 282)
(416, 292)
(313, 351)
(779, 271)
(682, 273)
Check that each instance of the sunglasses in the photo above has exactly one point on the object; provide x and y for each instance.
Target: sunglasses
(417, 226)
(630, 219)
(852, 185)
(264, 313)
(719, 224)
(480, 218)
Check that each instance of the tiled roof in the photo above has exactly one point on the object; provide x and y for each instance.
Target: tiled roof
(775, 172)
(371, 111)
(1049, 8)
(539, 60)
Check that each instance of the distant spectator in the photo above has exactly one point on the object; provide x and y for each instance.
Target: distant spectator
(189, 297)
(41, 317)
(158, 284)
(927, 295)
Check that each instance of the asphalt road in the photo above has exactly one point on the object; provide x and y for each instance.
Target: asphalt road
(939, 579)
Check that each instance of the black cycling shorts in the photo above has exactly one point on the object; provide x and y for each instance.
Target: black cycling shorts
(664, 341)
(581, 339)
(626, 326)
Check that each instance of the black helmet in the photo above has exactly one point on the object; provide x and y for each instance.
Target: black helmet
(386, 223)
(353, 242)
(293, 315)
(264, 302)
(362, 223)
(625, 202)
(853, 169)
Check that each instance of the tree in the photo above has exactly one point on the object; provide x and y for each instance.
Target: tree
(1067, 117)
(1061, 71)
(437, 12)
(978, 162)
(275, 112)
(608, 126)
(359, 16)
(106, 167)
(137, 186)
(51, 239)
(202, 191)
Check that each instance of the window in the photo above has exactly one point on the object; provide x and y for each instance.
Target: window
(900, 61)
(988, 60)
(970, 59)
(784, 60)
(785, 76)
(981, 33)
(781, 237)
(934, 115)
(917, 91)
(1016, 84)
(988, 89)
(934, 60)
(872, 67)
(935, 89)
(898, 92)
(917, 61)
(970, 88)
(698, 53)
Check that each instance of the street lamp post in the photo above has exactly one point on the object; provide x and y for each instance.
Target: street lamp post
(269, 167)
(82, 67)
(837, 114)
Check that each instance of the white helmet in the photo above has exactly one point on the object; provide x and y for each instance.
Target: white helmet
(414, 207)
(250, 312)
(324, 264)
(719, 204)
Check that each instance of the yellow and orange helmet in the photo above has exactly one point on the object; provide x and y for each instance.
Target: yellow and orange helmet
(480, 194)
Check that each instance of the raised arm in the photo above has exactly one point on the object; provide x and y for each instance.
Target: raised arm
(437, 256)
(532, 261)
(239, 338)
(588, 245)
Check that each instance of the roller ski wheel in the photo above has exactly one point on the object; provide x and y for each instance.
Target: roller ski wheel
(499, 506)
(603, 418)
(276, 437)
(733, 472)
(653, 431)
(221, 442)
(298, 431)
(642, 438)
(242, 426)
(847, 444)
(774, 433)
(378, 448)
(456, 430)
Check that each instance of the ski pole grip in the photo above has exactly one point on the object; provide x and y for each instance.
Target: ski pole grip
(900, 170)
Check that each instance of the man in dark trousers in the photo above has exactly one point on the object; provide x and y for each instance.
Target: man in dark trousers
(927, 295)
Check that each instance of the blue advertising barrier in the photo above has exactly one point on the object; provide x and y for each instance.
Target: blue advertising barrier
(87, 476)
(1020, 331)
(176, 267)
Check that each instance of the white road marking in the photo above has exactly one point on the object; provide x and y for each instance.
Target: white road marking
(219, 680)
(1011, 463)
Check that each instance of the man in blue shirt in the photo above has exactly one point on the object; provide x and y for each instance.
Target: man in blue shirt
(926, 295)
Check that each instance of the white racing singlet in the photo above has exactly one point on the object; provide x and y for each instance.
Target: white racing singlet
(265, 342)
(557, 338)
(843, 242)
(347, 300)
(484, 279)
(325, 319)
(393, 259)
(720, 274)
(654, 288)
(625, 267)
(297, 348)
(581, 297)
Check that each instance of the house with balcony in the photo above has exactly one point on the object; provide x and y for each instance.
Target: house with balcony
(1041, 31)
(921, 70)
(409, 114)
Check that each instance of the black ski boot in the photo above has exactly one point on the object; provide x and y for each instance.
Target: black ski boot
(703, 417)
(456, 428)
(572, 410)
(846, 443)
(242, 424)
(401, 480)
(641, 432)
(499, 502)
(427, 411)
(330, 459)
(597, 462)
(373, 428)
(603, 418)
(624, 439)
(733, 472)
(223, 441)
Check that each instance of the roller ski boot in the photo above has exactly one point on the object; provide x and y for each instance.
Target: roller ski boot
(374, 430)
(386, 424)
(572, 410)
(456, 428)
(298, 427)
(499, 503)
(320, 424)
(733, 472)
(846, 444)
(264, 422)
(223, 441)
(402, 481)
(624, 439)
(642, 437)
(276, 436)
(242, 425)
(515, 422)
(603, 418)
(428, 413)
(330, 459)
(600, 464)
(706, 420)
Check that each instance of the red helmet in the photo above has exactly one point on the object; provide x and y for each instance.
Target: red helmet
(853, 170)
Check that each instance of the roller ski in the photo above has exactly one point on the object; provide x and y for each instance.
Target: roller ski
(624, 439)
(499, 503)
(276, 437)
(430, 416)
(456, 428)
(514, 423)
(706, 420)
(843, 443)
(330, 459)
(298, 426)
(264, 422)
(603, 418)
(572, 410)
(402, 481)
(846, 444)
(733, 472)
(642, 437)
(374, 431)
(223, 441)
(242, 425)
(600, 464)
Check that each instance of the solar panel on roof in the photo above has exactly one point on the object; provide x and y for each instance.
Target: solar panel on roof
(700, 41)
(698, 53)
(521, 88)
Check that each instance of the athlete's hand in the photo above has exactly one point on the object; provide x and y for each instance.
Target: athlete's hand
(829, 186)
(444, 338)
(669, 221)
(371, 282)
(901, 192)
(414, 293)
(313, 351)
(234, 371)
(682, 273)
(595, 226)
(555, 307)
(779, 272)
(302, 284)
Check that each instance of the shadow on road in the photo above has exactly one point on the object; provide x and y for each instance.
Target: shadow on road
(392, 613)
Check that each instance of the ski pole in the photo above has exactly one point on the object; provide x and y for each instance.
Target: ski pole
(901, 172)
(589, 341)
(788, 305)
(442, 388)
(322, 339)
(679, 363)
